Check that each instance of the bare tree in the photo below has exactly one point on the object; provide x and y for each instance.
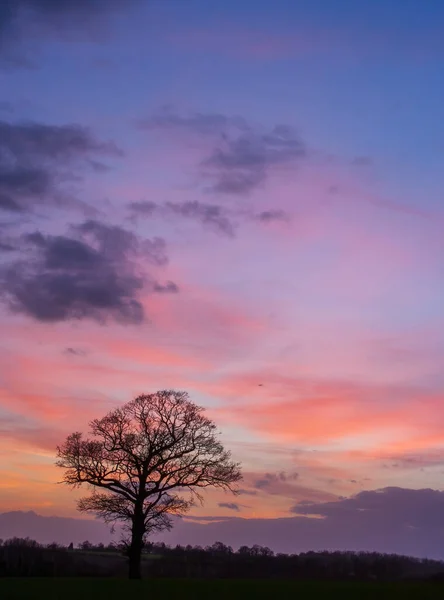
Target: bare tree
(145, 462)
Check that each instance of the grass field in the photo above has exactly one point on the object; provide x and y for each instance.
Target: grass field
(170, 589)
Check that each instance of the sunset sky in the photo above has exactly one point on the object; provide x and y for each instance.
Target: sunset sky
(243, 200)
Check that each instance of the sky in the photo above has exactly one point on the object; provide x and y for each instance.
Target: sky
(243, 200)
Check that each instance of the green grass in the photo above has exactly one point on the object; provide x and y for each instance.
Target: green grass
(175, 589)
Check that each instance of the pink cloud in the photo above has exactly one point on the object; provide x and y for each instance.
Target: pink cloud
(291, 307)
(320, 412)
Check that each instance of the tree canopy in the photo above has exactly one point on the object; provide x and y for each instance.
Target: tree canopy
(146, 461)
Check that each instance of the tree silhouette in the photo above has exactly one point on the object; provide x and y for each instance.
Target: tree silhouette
(145, 462)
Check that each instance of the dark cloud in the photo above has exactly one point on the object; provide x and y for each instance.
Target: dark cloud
(50, 529)
(242, 492)
(144, 208)
(92, 274)
(414, 509)
(270, 479)
(419, 460)
(117, 243)
(241, 163)
(74, 352)
(287, 485)
(30, 140)
(268, 216)
(9, 204)
(25, 20)
(6, 247)
(230, 506)
(242, 156)
(252, 150)
(304, 503)
(216, 217)
(6, 242)
(392, 520)
(237, 182)
(35, 159)
(20, 183)
(166, 288)
(210, 215)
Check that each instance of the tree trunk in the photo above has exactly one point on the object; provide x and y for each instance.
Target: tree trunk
(134, 571)
(135, 549)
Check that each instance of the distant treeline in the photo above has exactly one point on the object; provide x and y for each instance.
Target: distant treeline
(25, 557)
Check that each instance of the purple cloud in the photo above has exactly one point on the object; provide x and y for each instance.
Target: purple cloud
(268, 216)
(241, 163)
(48, 17)
(90, 275)
(242, 156)
(230, 505)
(35, 159)
(213, 216)
(271, 479)
(392, 520)
(242, 492)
